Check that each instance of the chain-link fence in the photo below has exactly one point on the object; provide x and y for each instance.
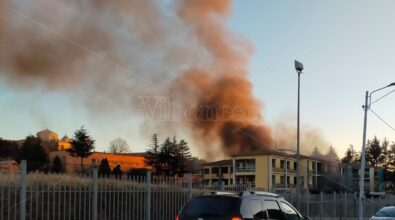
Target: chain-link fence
(51, 196)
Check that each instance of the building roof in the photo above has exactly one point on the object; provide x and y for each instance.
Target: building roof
(219, 163)
(46, 131)
(276, 153)
(65, 138)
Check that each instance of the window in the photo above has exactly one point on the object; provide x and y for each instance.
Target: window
(288, 180)
(206, 170)
(245, 165)
(282, 164)
(210, 206)
(290, 212)
(224, 170)
(273, 163)
(215, 170)
(273, 210)
(282, 180)
(273, 179)
(295, 165)
(288, 165)
(252, 209)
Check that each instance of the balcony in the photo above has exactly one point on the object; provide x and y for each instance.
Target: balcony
(279, 185)
(277, 169)
(245, 169)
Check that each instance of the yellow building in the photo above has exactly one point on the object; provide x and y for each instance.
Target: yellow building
(266, 170)
(64, 143)
(216, 172)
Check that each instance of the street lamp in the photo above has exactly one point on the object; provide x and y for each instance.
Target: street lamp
(299, 68)
(366, 107)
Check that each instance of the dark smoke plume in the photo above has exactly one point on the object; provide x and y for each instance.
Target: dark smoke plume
(110, 52)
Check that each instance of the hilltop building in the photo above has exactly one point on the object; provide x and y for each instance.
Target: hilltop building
(51, 141)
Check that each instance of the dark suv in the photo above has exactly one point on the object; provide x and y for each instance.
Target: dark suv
(246, 205)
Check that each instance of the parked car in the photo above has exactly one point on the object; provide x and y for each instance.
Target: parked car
(246, 205)
(385, 213)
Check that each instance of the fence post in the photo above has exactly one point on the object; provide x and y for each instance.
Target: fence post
(345, 205)
(334, 204)
(308, 202)
(23, 185)
(322, 205)
(189, 185)
(148, 197)
(95, 186)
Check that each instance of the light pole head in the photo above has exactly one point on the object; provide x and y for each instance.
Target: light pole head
(298, 66)
(392, 84)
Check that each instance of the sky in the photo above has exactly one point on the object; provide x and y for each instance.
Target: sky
(347, 47)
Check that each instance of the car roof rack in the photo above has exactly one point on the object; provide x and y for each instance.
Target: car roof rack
(261, 193)
(218, 193)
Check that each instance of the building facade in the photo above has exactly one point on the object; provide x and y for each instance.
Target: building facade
(51, 141)
(127, 161)
(373, 177)
(218, 172)
(265, 170)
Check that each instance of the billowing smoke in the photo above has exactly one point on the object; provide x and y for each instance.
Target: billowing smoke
(112, 52)
(284, 136)
(226, 107)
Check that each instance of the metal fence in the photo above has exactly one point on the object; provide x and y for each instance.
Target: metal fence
(51, 196)
(335, 205)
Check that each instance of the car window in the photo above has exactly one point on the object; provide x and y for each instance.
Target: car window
(211, 206)
(273, 210)
(386, 212)
(252, 209)
(289, 212)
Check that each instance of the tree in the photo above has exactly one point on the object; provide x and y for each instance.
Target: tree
(170, 158)
(57, 165)
(182, 156)
(349, 155)
(117, 171)
(82, 145)
(118, 146)
(34, 153)
(385, 160)
(137, 172)
(316, 153)
(331, 155)
(166, 158)
(8, 149)
(153, 156)
(333, 159)
(391, 159)
(104, 168)
(374, 154)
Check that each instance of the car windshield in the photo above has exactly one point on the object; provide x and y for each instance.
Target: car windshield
(386, 212)
(211, 206)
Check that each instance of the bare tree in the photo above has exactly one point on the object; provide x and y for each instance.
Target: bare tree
(119, 145)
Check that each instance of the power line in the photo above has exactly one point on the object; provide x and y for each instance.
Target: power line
(382, 97)
(382, 120)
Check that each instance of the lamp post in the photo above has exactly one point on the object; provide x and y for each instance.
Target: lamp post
(299, 68)
(366, 107)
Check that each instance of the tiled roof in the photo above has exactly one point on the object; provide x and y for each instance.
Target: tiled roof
(219, 163)
(276, 153)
